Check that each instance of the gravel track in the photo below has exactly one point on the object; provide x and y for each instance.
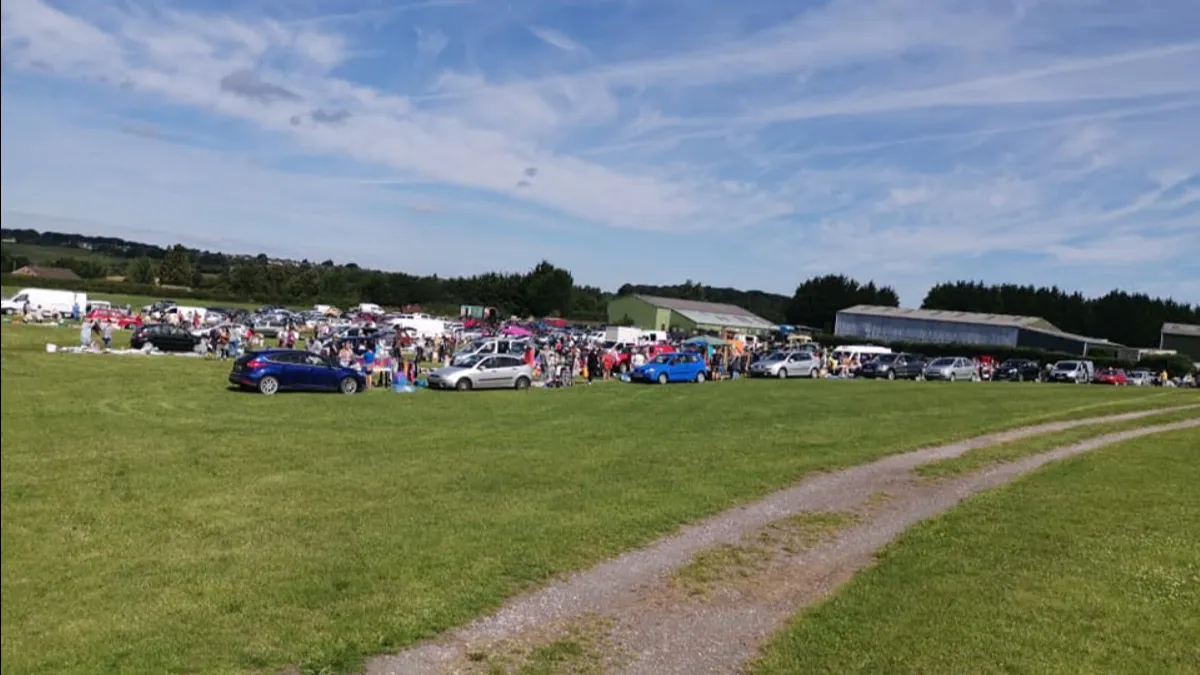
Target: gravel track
(660, 632)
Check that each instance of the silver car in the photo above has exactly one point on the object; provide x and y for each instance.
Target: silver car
(952, 368)
(786, 364)
(483, 371)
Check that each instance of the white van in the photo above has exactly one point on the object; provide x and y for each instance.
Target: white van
(863, 352)
(45, 299)
(423, 325)
(492, 346)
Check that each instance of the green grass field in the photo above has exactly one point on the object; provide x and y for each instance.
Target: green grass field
(41, 255)
(154, 521)
(1091, 565)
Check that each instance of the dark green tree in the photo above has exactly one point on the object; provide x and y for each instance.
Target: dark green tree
(818, 300)
(547, 290)
(141, 271)
(176, 267)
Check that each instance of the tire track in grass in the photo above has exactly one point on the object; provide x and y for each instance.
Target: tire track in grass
(1007, 452)
(659, 632)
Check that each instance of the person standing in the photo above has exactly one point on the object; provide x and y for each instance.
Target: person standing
(106, 334)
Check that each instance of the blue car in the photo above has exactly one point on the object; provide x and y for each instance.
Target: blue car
(275, 370)
(674, 367)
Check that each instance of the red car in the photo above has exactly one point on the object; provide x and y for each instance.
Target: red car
(121, 319)
(1113, 376)
(622, 362)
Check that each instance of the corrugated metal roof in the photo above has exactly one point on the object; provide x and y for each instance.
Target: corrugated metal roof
(1009, 320)
(723, 320)
(1187, 329)
(694, 305)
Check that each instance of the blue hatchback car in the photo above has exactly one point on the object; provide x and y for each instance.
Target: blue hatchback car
(275, 370)
(673, 367)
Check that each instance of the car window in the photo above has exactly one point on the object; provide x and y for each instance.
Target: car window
(506, 361)
(286, 357)
(487, 364)
(315, 360)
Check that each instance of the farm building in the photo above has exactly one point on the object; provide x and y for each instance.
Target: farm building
(651, 312)
(932, 326)
(59, 273)
(1182, 337)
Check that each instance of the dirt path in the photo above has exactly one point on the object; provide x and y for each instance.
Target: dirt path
(703, 599)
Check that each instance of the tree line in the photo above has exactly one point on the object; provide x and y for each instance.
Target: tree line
(547, 290)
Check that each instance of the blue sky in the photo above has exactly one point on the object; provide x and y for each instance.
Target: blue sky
(751, 144)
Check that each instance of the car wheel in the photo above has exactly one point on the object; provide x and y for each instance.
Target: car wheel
(268, 385)
(951, 378)
(348, 385)
(463, 384)
(662, 378)
(700, 377)
(814, 374)
(891, 375)
(523, 383)
(782, 374)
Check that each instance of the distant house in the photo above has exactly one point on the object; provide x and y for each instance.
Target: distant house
(38, 272)
(1181, 337)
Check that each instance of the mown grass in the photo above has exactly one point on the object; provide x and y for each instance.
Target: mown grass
(1007, 452)
(153, 521)
(1091, 565)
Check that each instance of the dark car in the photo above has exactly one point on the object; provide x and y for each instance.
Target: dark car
(164, 337)
(274, 370)
(1018, 370)
(894, 367)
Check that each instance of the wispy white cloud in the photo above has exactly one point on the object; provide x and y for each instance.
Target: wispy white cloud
(896, 136)
(430, 43)
(555, 38)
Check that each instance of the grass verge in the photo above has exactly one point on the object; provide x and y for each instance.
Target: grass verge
(1007, 452)
(155, 522)
(1091, 565)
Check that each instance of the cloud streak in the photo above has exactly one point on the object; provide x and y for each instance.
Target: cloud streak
(869, 135)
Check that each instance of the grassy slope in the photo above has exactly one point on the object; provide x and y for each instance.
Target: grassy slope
(41, 255)
(1089, 566)
(154, 521)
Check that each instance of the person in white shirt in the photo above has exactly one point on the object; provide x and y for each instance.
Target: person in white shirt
(638, 359)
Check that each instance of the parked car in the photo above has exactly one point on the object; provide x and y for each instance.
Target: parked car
(1140, 377)
(483, 371)
(1113, 376)
(787, 364)
(164, 337)
(624, 360)
(895, 366)
(115, 316)
(1069, 371)
(1018, 370)
(951, 369)
(274, 370)
(677, 367)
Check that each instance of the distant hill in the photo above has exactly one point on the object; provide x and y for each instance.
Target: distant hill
(770, 306)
